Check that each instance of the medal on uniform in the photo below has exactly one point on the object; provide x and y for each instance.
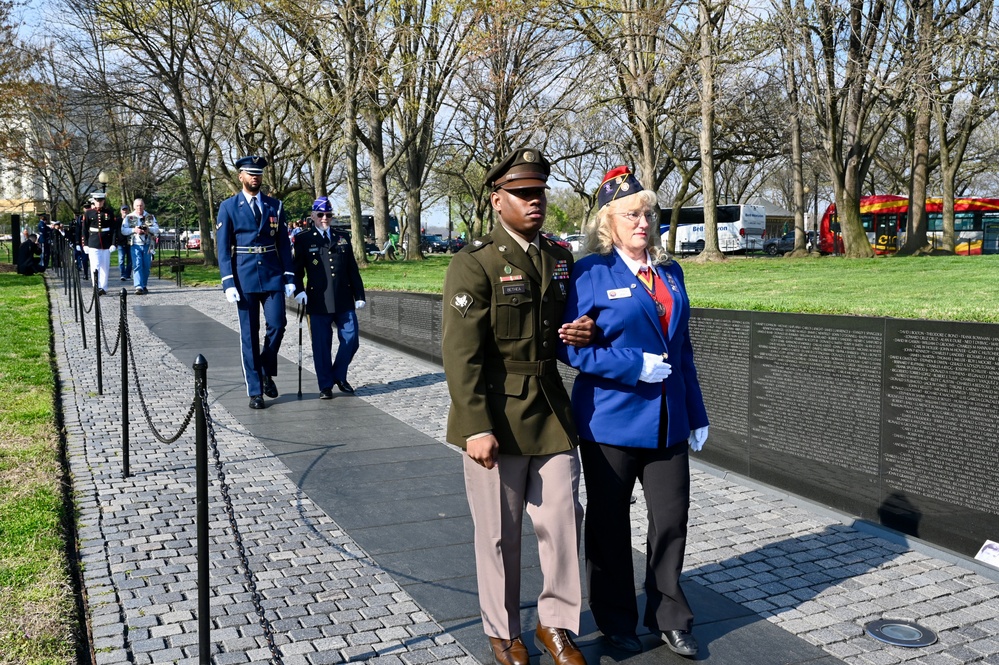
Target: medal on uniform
(660, 309)
(507, 269)
(672, 284)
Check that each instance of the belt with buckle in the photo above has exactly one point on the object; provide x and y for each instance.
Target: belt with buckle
(255, 249)
(94, 229)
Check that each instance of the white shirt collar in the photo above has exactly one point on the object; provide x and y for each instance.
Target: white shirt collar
(256, 196)
(632, 264)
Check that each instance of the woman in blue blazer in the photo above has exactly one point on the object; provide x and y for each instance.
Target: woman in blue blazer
(637, 406)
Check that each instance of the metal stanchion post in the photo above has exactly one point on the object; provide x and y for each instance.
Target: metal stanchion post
(201, 463)
(122, 348)
(83, 323)
(98, 340)
(301, 313)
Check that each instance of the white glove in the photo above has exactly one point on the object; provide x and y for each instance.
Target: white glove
(359, 304)
(113, 247)
(654, 368)
(302, 298)
(697, 438)
(232, 295)
(289, 290)
(78, 248)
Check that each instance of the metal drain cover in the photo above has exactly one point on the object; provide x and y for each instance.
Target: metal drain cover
(900, 633)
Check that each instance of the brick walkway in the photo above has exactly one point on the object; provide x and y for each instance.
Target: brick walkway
(808, 571)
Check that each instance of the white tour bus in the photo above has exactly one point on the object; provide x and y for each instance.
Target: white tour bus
(740, 228)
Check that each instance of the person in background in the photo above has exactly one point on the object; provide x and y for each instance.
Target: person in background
(140, 229)
(28, 261)
(638, 406)
(78, 237)
(45, 240)
(503, 301)
(101, 226)
(254, 254)
(331, 293)
(124, 255)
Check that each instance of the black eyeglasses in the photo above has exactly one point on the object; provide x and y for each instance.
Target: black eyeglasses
(324, 214)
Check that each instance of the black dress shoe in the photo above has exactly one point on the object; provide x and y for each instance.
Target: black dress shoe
(257, 402)
(624, 641)
(101, 292)
(269, 388)
(326, 393)
(681, 642)
(345, 387)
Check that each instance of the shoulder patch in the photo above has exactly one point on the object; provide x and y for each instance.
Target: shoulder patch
(461, 302)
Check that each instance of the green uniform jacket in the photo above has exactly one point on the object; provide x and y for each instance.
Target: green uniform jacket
(501, 321)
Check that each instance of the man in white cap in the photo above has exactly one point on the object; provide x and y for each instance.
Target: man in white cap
(255, 262)
(100, 225)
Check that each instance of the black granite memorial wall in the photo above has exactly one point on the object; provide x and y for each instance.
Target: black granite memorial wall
(895, 421)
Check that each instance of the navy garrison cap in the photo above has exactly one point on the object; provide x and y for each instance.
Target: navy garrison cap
(253, 165)
(617, 184)
(322, 204)
(521, 168)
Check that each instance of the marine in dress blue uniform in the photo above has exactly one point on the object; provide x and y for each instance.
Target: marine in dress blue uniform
(255, 262)
(331, 293)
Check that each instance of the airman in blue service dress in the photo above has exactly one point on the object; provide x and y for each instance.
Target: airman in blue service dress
(255, 263)
(328, 283)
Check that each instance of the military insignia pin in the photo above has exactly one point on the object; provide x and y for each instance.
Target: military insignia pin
(528, 156)
(672, 284)
(507, 269)
(462, 302)
(315, 262)
(502, 248)
(625, 187)
(477, 243)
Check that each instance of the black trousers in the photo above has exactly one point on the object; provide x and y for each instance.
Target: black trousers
(610, 473)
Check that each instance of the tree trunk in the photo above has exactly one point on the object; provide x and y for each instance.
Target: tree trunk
(707, 68)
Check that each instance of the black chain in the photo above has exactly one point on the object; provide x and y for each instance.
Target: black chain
(104, 335)
(142, 399)
(237, 537)
(93, 297)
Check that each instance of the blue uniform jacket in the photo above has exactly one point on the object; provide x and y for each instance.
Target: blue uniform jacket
(255, 258)
(609, 403)
(334, 281)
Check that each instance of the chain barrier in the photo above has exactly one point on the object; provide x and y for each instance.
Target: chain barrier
(93, 297)
(265, 625)
(142, 398)
(104, 335)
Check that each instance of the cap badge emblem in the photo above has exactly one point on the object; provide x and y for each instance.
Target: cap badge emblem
(528, 156)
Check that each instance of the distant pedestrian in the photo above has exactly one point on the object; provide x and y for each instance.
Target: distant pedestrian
(124, 255)
(44, 233)
(101, 226)
(329, 284)
(638, 406)
(140, 229)
(254, 254)
(29, 257)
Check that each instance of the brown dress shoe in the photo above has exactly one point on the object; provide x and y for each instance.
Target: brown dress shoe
(557, 644)
(509, 652)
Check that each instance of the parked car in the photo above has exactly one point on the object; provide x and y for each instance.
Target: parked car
(785, 243)
(456, 244)
(194, 240)
(576, 242)
(433, 243)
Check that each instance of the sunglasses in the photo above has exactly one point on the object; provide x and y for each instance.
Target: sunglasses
(324, 214)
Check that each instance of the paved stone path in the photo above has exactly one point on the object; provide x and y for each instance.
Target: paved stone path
(811, 572)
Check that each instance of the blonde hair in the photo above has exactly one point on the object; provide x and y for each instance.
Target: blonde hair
(600, 239)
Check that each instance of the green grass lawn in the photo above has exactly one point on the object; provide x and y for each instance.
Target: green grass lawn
(36, 597)
(955, 288)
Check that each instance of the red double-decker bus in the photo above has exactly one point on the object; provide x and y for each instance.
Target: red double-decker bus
(976, 224)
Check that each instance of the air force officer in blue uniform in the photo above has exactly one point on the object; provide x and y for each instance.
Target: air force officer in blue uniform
(257, 272)
(638, 408)
(331, 294)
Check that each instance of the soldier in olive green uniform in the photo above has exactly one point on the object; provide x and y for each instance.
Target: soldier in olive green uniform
(504, 296)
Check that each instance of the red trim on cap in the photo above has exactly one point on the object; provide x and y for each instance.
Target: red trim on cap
(615, 172)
